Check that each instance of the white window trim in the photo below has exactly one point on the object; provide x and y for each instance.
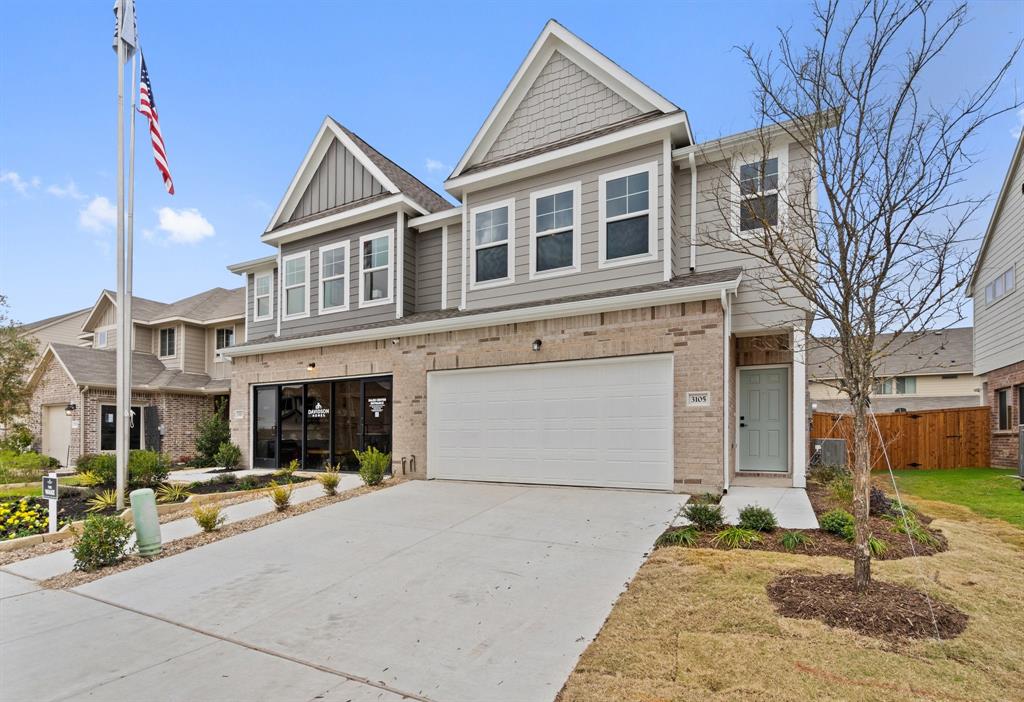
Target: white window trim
(218, 354)
(510, 262)
(1006, 292)
(284, 285)
(780, 152)
(106, 336)
(576, 188)
(160, 342)
(256, 317)
(652, 217)
(363, 302)
(324, 280)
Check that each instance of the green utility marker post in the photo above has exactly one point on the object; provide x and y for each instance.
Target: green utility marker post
(147, 522)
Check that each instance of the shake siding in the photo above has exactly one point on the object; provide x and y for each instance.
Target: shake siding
(999, 327)
(590, 279)
(195, 349)
(751, 310)
(338, 180)
(335, 321)
(267, 327)
(454, 265)
(428, 271)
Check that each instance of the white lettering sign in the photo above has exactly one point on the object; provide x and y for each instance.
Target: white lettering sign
(698, 399)
(318, 411)
(377, 405)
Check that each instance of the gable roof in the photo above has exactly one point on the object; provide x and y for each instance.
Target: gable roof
(940, 352)
(394, 179)
(996, 211)
(556, 38)
(43, 323)
(205, 307)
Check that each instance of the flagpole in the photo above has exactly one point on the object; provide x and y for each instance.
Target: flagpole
(129, 260)
(123, 404)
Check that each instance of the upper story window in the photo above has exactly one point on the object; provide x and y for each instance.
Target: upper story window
(334, 278)
(101, 339)
(1000, 287)
(225, 338)
(628, 216)
(296, 285)
(906, 385)
(759, 195)
(493, 257)
(263, 305)
(376, 264)
(168, 346)
(555, 231)
(1003, 405)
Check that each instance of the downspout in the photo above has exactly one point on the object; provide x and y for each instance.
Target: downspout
(693, 213)
(400, 265)
(81, 422)
(444, 267)
(726, 372)
(667, 189)
(465, 231)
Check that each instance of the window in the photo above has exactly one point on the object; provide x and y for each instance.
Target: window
(555, 231)
(375, 269)
(296, 285)
(167, 343)
(492, 261)
(334, 278)
(108, 428)
(897, 386)
(628, 219)
(101, 339)
(758, 186)
(1020, 405)
(225, 338)
(1000, 287)
(262, 307)
(1003, 404)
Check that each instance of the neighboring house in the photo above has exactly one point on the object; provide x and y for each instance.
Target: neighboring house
(567, 323)
(929, 371)
(178, 370)
(61, 329)
(996, 288)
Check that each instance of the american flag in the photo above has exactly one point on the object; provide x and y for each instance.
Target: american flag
(147, 106)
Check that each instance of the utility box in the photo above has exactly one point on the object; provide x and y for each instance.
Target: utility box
(828, 452)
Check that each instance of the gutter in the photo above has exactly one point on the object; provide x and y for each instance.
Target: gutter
(727, 372)
(693, 212)
(485, 319)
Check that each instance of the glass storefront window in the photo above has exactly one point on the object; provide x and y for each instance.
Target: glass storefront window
(290, 411)
(318, 426)
(264, 450)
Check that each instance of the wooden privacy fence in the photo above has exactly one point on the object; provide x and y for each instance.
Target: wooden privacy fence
(945, 438)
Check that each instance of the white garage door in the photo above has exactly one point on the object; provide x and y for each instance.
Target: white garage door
(604, 423)
(56, 432)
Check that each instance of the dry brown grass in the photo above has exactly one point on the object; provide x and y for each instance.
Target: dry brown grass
(696, 624)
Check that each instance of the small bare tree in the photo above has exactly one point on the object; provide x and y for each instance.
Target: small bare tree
(867, 234)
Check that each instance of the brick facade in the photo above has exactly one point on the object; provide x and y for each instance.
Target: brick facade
(1005, 444)
(54, 387)
(691, 332)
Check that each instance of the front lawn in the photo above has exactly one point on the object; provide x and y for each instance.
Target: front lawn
(990, 492)
(698, 624)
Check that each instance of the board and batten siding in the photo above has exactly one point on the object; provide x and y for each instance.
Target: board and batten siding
(409, 271)
(590, 278)
(193, 350)
(454, 264)
(316, 323)
(751, 309)
(339, 179)
(143, 338)
(268, 327)
(428, 271)
(999, 326)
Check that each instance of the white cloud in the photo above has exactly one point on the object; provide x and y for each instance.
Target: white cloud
(70, 190)
(434, 166)
(17, 182)
(184, 226)
(98, 216)
(1019, 127)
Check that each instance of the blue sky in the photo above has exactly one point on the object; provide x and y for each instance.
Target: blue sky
(242, 89)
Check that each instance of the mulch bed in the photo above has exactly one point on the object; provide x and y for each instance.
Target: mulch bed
(250, 482)
(885, 610)
(76, 578)
(825, 544)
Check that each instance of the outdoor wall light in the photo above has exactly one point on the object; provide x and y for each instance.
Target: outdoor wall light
(394, 342)
(71, 407)
(537, 343)
(311, 367)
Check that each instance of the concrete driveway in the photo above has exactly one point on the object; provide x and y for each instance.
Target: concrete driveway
(429, 590)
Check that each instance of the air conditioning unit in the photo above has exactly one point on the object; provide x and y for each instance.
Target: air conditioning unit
(828, 452)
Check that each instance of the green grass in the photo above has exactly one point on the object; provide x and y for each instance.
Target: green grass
(988, 491)
(32, 491)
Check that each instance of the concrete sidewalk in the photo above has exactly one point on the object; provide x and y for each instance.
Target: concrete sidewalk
(791, 506)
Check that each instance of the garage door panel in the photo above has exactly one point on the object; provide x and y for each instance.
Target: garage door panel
(600, 423)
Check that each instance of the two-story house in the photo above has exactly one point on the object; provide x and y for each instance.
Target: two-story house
(999, 315)
(179, 370)
(568, 322)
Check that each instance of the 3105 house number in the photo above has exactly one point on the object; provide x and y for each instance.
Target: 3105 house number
(698, 399)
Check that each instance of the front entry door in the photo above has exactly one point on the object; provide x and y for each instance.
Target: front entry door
(764, 420)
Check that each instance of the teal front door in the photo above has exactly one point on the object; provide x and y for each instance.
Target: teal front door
(764, 420)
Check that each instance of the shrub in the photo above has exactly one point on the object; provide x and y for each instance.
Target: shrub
(757, 518)
(792, 540)
(147, 468)
(104, 465)
(825, 474)
(228, 455)
(89, 479)
(18, 439)
(172, 492)
(707, 498)
(373, 465)
(211, 431)
(841, 488)
(879, 505)
(86, 461)
(102, 501)
(23, 467)
(736, 537)
(22, 517)
(248, 483)
(288, 472)
(687, 536)
(837, 521)
(208, 517)
(102, 542)
(913, 528)
(281, 495)
(877, 546)
(704, 516)
(227, 479)
(329, 481)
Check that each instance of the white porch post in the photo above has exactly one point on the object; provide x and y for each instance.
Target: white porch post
(799, 408)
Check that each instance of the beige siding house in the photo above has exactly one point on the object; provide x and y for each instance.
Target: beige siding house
(997, 290)
(566, 322)
(179, 370)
